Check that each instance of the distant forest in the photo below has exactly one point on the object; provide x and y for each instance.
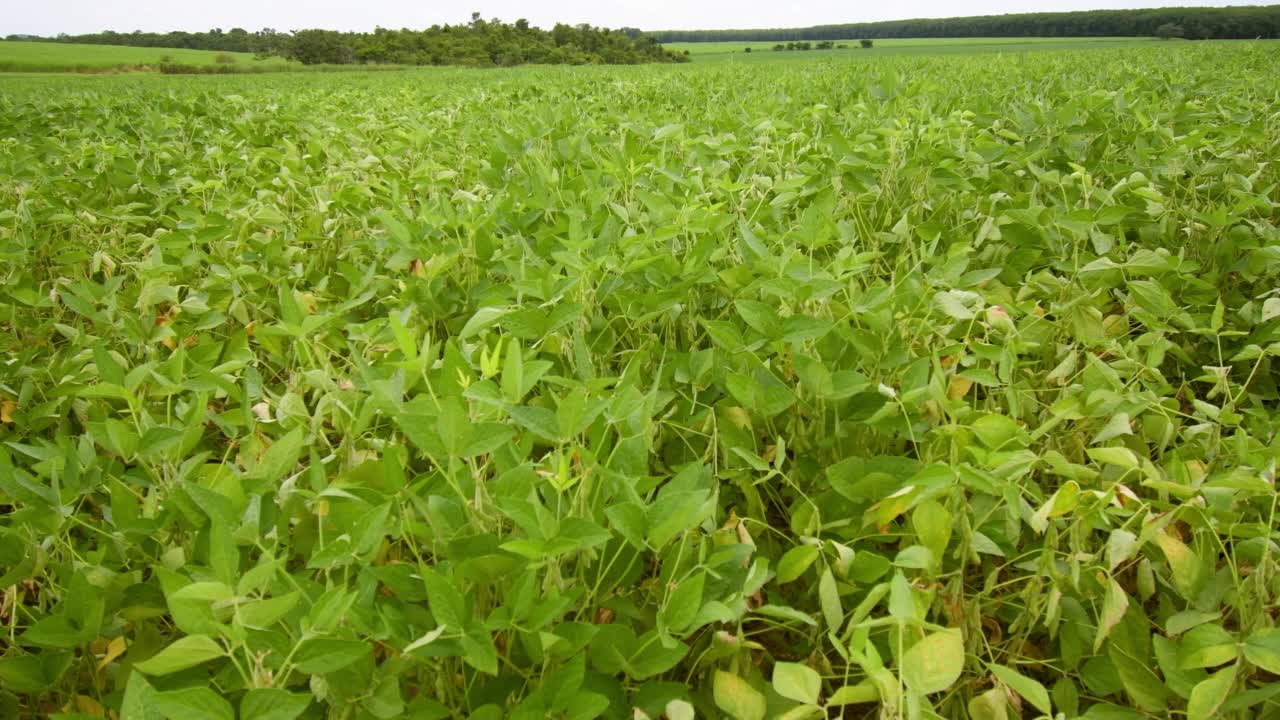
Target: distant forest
(480, 42)
(1195, 23)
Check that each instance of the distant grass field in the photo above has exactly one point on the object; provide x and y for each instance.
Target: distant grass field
(710, 50)
(40, 57)
(58, 57)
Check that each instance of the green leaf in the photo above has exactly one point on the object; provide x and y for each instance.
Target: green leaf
(486, 438)
(683, 605)
(802, 328)
(1121, 456)
(1152, 297)
(1263, 649)
(55, 631)
(538, 420)
(482, 320)
(797, 682)
(990, 705)
(183, 653)
(760, 316)
(1209, 694)
(863, 692)
(24, 674)
(325, 655)
(958, 304)
(197, 703)
(446, 602)
(394, 227)
(935, 663)
(1177, 679)
(651, 657)
(479, 651)
(916, 556)
(1182, 621)
(795, 561)
(138, 702)
(280, 458)
(786, 613)
(1030, 689)
(902, 605)
(761, 392)
(629, 520)
(1247, 699)
(675, 513)
(829, 600)
(273, 704)
(1207, 645)
(266, 612)
(1118, 425)
(737, 698)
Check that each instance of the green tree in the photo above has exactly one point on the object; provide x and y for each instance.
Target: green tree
(866, 43)
(1169, 31)
(1240, 22)
(314, 47)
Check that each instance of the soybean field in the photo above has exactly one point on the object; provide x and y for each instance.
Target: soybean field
(860, 385)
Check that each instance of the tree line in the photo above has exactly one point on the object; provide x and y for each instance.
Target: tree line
(1246, 22)
(479, 43)
(235, 40)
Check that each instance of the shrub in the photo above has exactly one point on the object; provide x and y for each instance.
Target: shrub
(866, 43)
(224, 59)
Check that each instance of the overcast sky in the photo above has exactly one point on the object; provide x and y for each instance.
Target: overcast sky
(50, 17)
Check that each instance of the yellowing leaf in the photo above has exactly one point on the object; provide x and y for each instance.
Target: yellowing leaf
(935, 663)
(990, 705)
(1209, 694)
(88, 706)
(737, 698)
(1114, 606)
(958, 387)
(797, 682)
(115, 649)
(1184, 564)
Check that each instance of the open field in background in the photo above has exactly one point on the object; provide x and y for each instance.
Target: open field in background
(913, 45)
(928, 386)
(55, 57)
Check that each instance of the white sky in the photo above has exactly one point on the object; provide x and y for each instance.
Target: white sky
(50, 17)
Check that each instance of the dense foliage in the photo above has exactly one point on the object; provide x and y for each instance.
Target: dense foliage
(233, 40)
(1242, 22)
(478, 43)
(848, 386)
